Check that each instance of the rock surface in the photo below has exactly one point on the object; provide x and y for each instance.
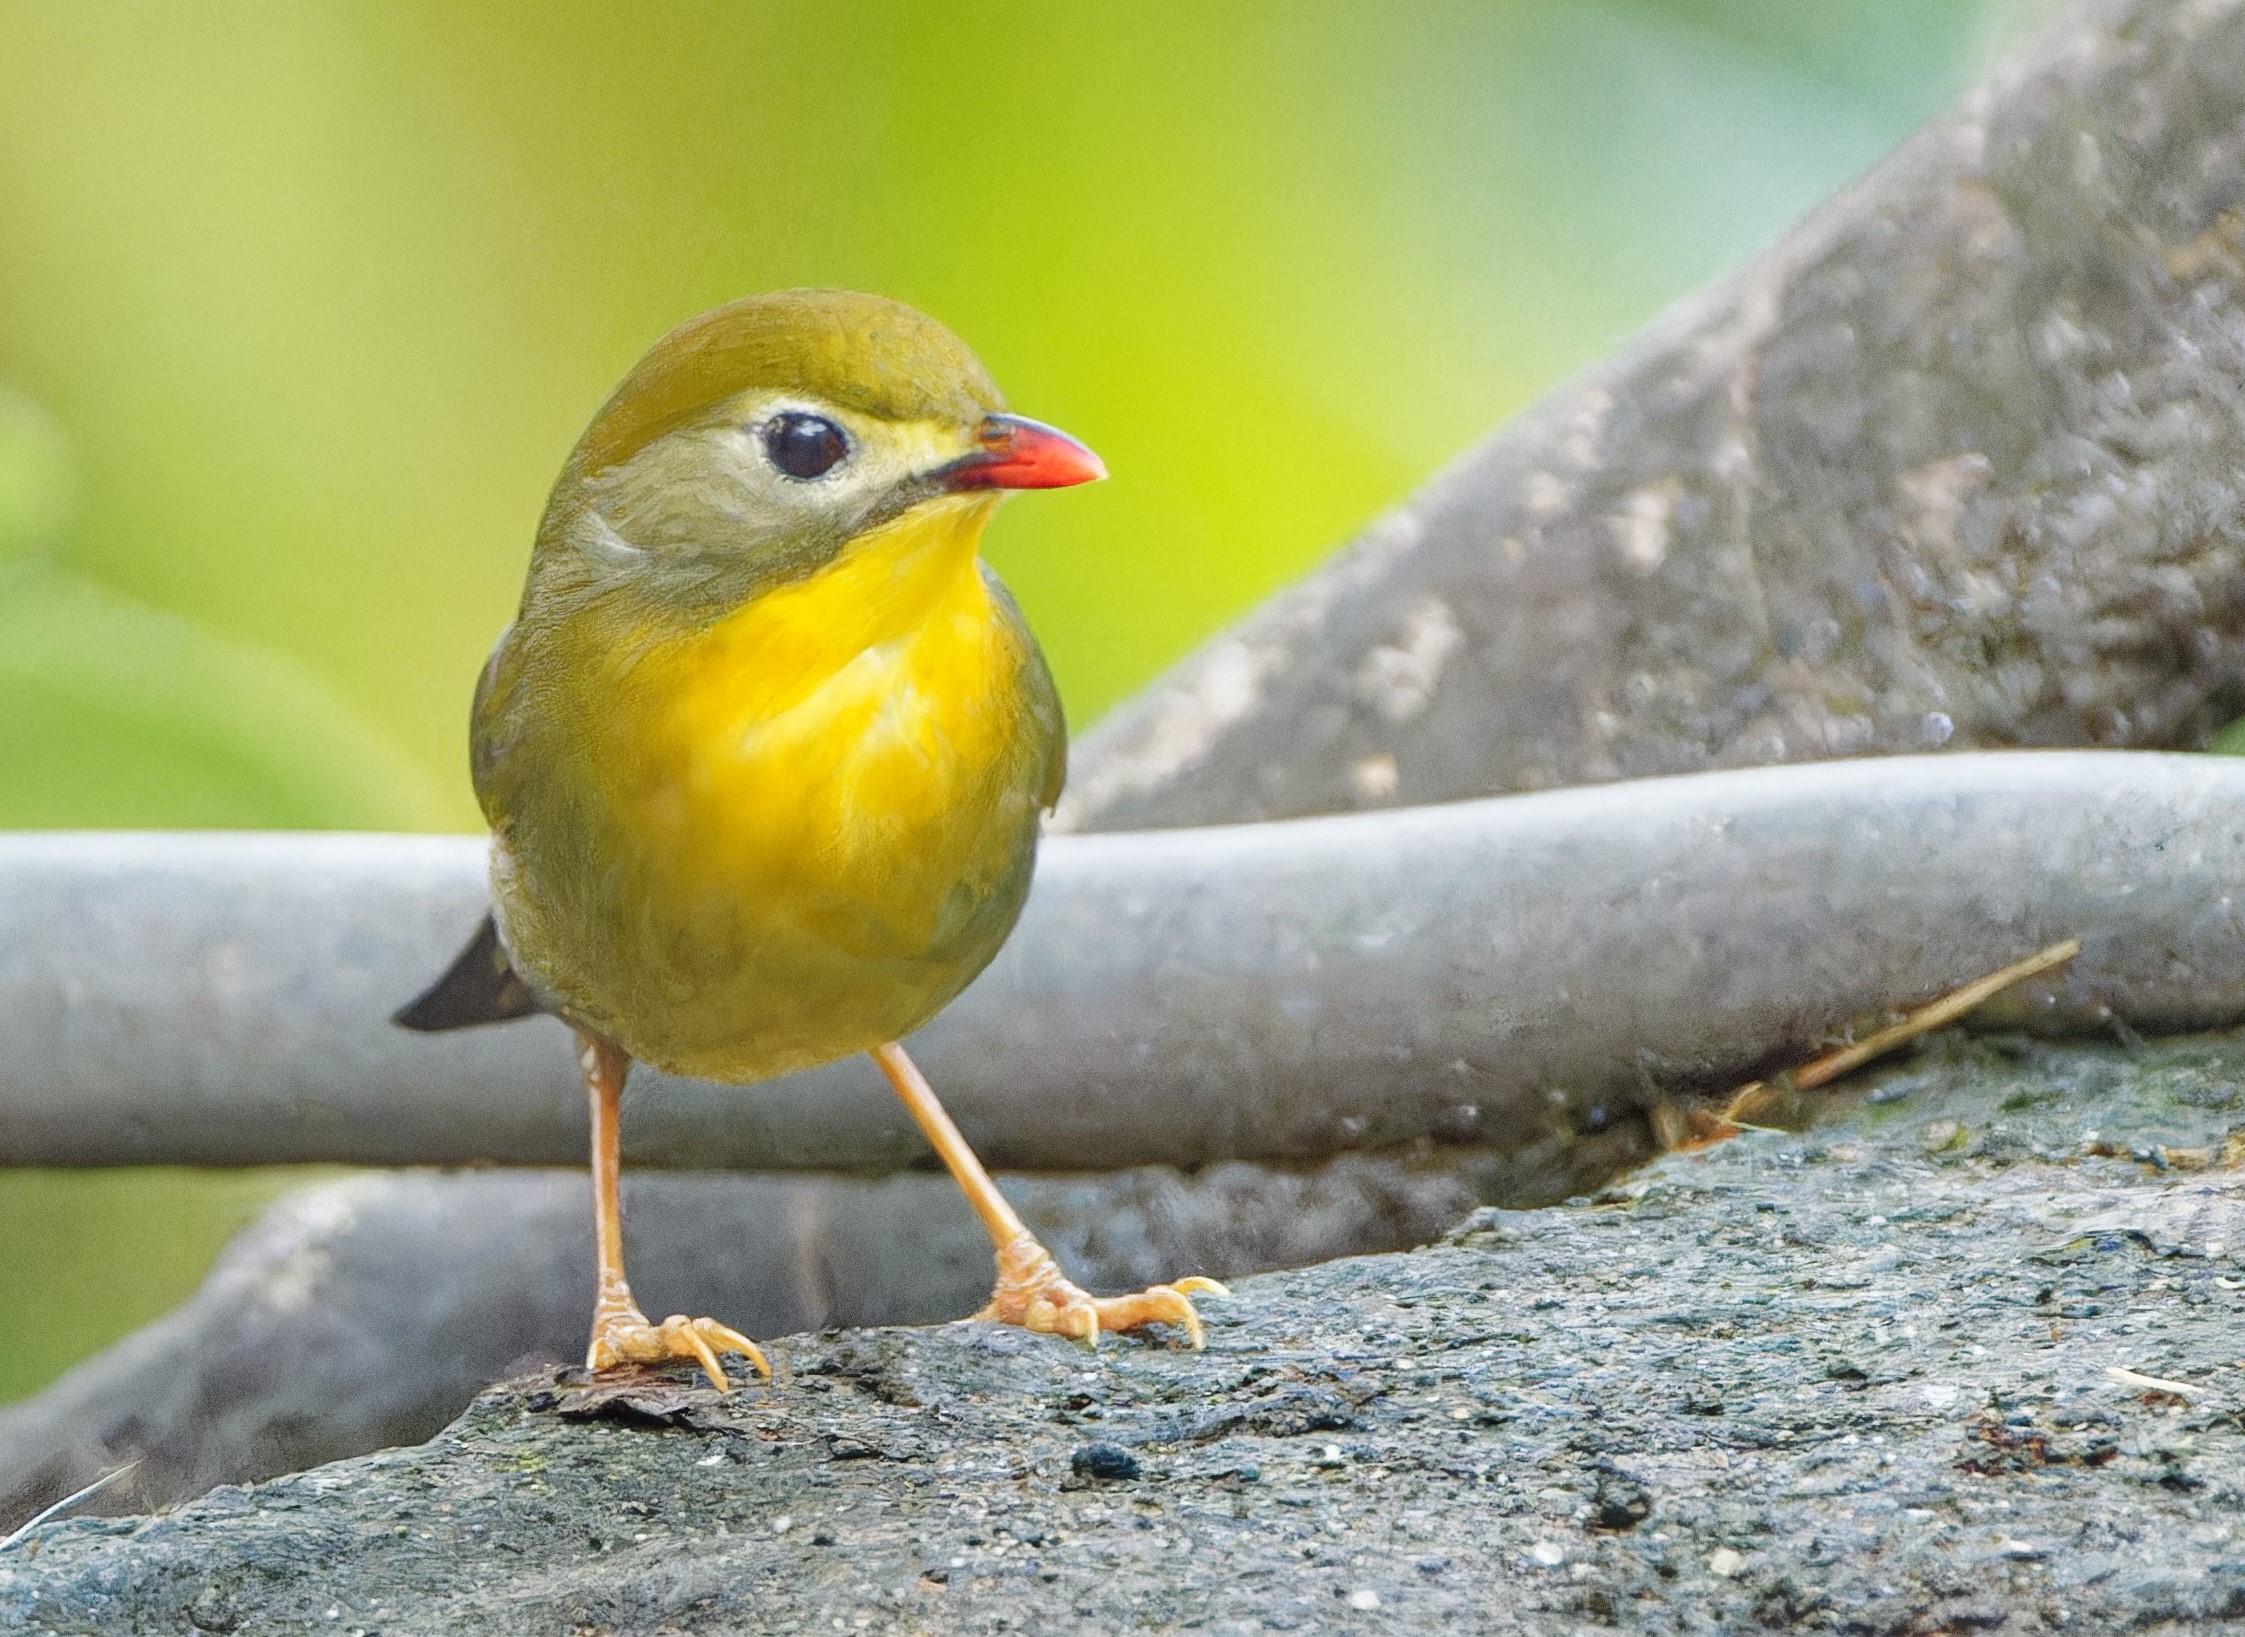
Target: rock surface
(370, 1311)
(1856, 1379)
(1954, 463)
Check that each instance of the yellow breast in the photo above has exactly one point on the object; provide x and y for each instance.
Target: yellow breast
(831, 746)
(820, 811)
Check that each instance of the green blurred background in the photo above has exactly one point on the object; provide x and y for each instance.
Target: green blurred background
(304, 304)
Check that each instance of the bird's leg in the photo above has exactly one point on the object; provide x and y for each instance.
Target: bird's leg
(1031, 1290)
(621, 1334)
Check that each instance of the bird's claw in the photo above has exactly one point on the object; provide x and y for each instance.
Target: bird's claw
(1032, 1292)
(629, 1338)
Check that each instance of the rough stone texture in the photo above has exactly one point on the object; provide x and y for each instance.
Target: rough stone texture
(1853, 1380)
(1955, 463)
(368, 1312)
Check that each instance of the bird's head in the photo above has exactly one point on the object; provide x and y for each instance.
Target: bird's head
(754, 443)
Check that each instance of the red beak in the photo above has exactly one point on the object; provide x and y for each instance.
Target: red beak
(1018, 453)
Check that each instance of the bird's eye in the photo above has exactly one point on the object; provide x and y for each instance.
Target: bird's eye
(804, 446)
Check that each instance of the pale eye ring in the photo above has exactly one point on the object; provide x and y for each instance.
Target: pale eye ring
(804, 446)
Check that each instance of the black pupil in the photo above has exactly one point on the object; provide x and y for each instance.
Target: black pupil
(804, 446)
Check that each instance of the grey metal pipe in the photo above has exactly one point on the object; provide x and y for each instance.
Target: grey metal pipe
(1491, 972)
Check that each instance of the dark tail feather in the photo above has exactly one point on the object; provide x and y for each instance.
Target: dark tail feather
(480, 987)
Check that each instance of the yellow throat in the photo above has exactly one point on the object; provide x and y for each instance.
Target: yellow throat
(811, 730)
(819, 811)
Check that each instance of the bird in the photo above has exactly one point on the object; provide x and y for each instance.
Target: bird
(766, 749)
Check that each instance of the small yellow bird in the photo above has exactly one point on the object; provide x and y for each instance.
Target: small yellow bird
(765, 750)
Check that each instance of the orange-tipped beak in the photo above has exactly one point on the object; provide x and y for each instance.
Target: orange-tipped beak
(1018, 453)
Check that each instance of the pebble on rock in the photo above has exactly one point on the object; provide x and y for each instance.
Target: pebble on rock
(1103, 1462)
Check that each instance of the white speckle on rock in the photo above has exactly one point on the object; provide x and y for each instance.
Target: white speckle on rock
(1586, 427)
(288, 1253)
(1398, 678)
(2089, 162)
(1544, 493)
(1732, 459)
(1933, 498)
(1724, 1562)
(1642, 527)
(1549, 1553)
(1365, 1598)
(1376, 776)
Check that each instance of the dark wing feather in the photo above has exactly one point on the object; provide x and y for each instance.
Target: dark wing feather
(479, 987)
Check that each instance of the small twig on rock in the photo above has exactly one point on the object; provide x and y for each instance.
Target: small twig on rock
(1925, 1019)
(2158, 1384)
(1751, 1099)
(87, 1493)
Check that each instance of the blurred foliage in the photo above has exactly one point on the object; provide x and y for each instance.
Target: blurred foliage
(137, 1241)
(114, 706)
(324, 292)
(114, 711)
(321, 294)
(36, 481)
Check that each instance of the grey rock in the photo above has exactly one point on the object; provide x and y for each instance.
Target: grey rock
(1850, 1385)
(1953, 464)
(368, 1312)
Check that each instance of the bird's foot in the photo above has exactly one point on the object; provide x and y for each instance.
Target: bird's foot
(1033, 1293)
(625, 1336)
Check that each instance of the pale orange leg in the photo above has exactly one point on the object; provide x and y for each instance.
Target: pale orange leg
(621, 1334)
(1031, 1290)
